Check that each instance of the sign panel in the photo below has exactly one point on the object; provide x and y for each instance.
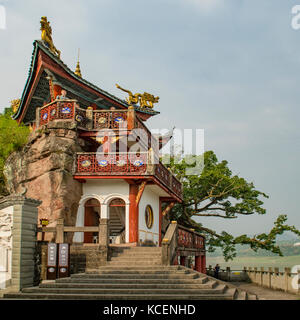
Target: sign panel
(63, 260)
(52, 249)
(52, 261)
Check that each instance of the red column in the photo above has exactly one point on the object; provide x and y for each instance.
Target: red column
(204, 264)
(133, 214)
(160, 221)
(182, 260)
(198, 263)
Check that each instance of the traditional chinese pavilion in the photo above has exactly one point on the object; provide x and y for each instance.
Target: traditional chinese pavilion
(124, 186)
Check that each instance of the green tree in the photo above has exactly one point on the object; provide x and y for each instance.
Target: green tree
(217, 193)
(12, 137)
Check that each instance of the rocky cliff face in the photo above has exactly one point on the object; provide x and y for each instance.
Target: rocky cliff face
(43, 171)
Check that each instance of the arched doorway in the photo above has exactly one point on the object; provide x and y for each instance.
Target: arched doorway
(91, 219)
(117, 221)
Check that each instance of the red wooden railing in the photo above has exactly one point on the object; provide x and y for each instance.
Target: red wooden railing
(127, 163)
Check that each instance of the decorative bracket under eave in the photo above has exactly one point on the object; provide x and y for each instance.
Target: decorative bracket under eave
(140, 192)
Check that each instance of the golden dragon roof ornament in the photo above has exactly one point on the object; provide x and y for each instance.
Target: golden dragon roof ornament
(47, 36)
(146, 100)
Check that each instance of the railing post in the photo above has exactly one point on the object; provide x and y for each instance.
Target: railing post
(37, 117)
(228, 273)
(270, 277)
(130, 118)
(261, 276)
(103, 232)
(150, 162)
(89, 116)
(60, 231)
(287, 272)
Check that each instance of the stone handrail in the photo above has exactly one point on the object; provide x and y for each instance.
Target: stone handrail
(271, 278)
(181, 241)
(169, 244)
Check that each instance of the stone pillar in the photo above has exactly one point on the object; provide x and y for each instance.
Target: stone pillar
(103, 232)
(261, 276)
(287, 272)
(270, 277)
(23, 235)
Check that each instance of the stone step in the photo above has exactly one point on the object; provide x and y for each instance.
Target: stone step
(136, 249)
(137, 261)
(134, 281)
(187, 296)
(175, 291)
(136, 272)
(132, 263)
(146, 276)
(138, 255)
(129, 286)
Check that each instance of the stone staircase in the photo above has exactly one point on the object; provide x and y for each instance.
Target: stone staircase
(135, 273)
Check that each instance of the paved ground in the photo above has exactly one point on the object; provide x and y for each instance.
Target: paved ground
(265, 293)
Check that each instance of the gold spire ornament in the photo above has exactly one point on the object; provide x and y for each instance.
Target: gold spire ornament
(78, 71)
(15, 104)
(146, 100)
(47, 36)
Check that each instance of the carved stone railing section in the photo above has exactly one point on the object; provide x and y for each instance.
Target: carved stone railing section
(181, 241)
(126, 163)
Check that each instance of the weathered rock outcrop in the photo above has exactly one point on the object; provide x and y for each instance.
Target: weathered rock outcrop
(43, 171)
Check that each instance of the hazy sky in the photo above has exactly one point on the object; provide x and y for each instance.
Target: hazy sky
(230, 67)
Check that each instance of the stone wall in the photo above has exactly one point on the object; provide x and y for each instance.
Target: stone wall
(43, 171)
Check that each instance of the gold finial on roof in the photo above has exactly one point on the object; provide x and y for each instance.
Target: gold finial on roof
(14, 104)
(47, 36)
(78, 71)
(146, 100)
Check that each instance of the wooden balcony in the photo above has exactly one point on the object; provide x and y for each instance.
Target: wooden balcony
(129, 164)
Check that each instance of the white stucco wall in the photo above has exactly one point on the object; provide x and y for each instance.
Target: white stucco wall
(6, 223)
(151, 198)
(104, 190)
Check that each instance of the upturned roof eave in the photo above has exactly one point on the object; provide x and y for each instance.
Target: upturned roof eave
(39, 45)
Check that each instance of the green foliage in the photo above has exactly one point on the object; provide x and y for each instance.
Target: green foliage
(216, 192)
(12, 137)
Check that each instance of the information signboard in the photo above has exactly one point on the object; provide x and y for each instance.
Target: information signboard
(52, 261)
(63, 260)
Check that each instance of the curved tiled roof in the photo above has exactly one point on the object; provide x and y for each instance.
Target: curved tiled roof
(39, 45)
